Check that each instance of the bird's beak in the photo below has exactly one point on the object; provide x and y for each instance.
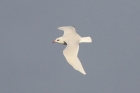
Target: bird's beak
(53, 41)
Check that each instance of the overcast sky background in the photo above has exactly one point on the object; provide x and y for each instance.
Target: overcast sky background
(30, 63)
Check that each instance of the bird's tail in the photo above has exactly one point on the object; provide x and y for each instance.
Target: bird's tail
(86, 40)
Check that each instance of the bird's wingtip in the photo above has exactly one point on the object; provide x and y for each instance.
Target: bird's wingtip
(84, 73)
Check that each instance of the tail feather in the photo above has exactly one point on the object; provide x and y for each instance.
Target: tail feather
(86, 40)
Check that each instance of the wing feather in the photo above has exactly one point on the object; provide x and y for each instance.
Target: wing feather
(70, 53)
(67, 29)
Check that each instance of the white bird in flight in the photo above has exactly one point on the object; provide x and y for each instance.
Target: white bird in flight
(72, 40)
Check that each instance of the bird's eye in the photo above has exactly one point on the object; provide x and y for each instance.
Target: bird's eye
(57, 39)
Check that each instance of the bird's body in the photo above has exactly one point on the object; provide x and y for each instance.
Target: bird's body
(72, 40)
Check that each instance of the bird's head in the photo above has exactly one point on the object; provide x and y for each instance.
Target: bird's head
(60, 41)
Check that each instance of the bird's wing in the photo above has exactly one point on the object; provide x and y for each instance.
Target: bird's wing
(70, 53)
(67, 29)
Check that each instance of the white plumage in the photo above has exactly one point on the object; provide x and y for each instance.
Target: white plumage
(72, 40)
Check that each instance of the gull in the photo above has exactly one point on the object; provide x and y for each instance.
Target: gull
(72, 40)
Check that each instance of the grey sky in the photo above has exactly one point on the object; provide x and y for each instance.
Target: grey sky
(30, 63)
